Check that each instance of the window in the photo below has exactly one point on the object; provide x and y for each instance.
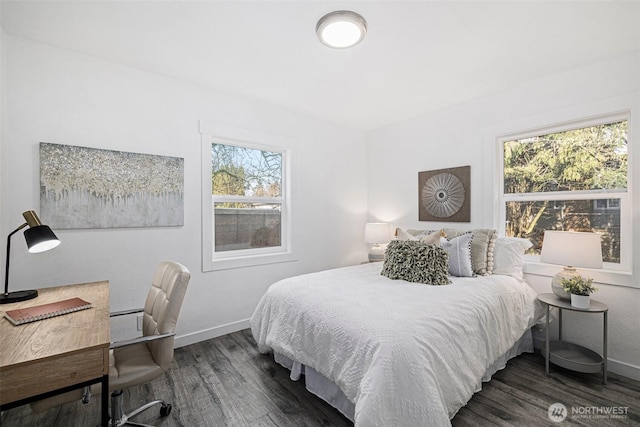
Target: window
(607, 204)
(247, 200)
(571, 178)
(246, 207)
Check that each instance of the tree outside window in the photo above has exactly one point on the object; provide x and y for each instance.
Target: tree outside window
(573, 180)
(247, 197)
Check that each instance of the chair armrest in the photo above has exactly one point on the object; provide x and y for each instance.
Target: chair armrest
(139, 340)
(125, 312)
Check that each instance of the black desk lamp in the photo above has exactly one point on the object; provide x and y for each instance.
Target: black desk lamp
(39, 238)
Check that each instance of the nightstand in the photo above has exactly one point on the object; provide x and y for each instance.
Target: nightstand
(569, 355)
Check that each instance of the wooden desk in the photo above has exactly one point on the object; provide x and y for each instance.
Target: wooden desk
(43, 358)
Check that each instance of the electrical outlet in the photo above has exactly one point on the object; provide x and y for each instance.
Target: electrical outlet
(139, 319)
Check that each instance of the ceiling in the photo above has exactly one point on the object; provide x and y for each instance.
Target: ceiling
(418, 56)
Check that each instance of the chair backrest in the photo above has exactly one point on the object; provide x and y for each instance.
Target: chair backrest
(162, 308)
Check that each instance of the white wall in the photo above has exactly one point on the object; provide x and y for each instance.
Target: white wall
(465, 135)
(3, 188)
(58, 96)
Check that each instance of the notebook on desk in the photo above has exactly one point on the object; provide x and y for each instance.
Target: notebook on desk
(45, 311)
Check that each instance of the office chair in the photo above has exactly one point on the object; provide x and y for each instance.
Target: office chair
(139, 360)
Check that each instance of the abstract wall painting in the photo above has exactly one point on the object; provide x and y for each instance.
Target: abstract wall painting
(444, 195)
(84, 188)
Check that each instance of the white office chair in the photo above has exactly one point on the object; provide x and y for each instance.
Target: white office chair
(142, 359)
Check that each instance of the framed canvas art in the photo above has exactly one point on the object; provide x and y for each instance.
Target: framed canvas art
(84, 187)
(444, 195)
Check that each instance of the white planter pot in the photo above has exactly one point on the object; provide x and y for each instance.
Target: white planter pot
(580, 301)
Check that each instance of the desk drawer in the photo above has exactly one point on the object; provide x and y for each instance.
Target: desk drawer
(50, 374)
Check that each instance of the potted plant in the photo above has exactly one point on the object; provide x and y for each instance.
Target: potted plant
(580, 288)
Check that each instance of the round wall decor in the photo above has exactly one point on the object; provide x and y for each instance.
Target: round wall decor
(443, 195)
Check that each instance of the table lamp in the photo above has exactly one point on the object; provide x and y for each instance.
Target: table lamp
(570, 249)
(39, 238)
(376, 233)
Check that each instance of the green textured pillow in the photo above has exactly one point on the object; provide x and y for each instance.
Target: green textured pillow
(416, 262)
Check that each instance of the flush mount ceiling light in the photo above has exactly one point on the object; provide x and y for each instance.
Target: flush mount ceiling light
(341, 29)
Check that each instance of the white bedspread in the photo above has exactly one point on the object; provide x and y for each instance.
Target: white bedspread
(406, 354)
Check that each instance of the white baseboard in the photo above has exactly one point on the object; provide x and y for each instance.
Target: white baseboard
(617, 367)
(625, 369)
(206, 334)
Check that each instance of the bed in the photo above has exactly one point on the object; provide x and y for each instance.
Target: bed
(393, 352)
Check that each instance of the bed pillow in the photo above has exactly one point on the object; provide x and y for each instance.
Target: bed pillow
(434, 237)
(405, 235)
(459, 251)
(482, 246)
(508, 256)
(416, 262)
(426, 236)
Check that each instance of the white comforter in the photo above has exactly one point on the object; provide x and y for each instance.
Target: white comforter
(406, 354)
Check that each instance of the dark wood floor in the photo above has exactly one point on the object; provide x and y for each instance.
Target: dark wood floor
(226, 382)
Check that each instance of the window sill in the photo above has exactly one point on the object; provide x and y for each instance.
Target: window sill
(247, 261)
(608, 277)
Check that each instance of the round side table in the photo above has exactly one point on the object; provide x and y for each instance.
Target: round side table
(569, 355)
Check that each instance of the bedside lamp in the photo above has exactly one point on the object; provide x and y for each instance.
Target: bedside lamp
(376, 233)
(39, 238)
(571, 249)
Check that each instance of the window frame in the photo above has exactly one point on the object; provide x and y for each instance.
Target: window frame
(212, 260)
(532, 262)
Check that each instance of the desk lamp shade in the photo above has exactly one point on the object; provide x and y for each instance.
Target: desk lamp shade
(570, 249)
(376, 233)
(39, 238)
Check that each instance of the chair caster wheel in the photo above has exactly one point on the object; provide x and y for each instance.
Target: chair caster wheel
(165, 410)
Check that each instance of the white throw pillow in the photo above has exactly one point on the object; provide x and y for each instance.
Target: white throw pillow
(403, 235)
(432, 237)
(508, 256)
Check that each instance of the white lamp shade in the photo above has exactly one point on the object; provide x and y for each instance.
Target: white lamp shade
(570, 248)
(377, 232)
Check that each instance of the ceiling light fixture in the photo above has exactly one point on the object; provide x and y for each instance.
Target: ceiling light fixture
(341, 29)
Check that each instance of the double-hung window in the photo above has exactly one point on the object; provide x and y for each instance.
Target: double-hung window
(246, 207)
(570, 178)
